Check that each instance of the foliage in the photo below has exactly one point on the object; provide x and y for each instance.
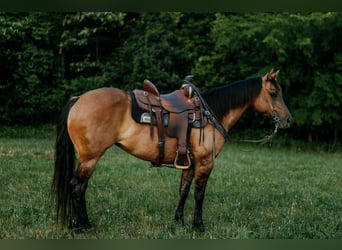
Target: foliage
(48, 57)
(29, 82)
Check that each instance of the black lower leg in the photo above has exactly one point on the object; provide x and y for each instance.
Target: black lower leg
(186, 180)
(199, 198)
(79, 217)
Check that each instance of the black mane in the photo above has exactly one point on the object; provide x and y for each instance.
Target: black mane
(223, 98)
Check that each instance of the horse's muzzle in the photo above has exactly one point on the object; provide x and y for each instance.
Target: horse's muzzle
(285, 122)
(282, 121)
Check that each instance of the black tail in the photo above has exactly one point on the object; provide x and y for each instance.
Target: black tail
(64, 164)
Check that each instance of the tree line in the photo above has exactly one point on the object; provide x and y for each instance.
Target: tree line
(46, 58)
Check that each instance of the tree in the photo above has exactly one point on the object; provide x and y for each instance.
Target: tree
(87, 40)
(48, 57)
(152, 50)
(305, 47)
(30, 70)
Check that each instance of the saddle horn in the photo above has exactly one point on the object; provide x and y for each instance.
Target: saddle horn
(187, 86)
(189, 79)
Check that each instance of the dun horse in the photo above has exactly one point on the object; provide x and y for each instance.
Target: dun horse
(98, 119)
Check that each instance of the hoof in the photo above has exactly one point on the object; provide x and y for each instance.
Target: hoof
(180, 220)
(81, 227)
(200, 227)
(83, 230)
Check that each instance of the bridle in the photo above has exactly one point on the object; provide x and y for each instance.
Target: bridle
(276, 120)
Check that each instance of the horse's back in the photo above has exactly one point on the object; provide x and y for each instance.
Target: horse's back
(101, 97)
(99, 104)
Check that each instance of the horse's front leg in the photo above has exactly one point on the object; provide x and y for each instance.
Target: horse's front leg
(186, 180)
(201, 179)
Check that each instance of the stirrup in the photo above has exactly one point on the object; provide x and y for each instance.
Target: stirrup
(182, 166)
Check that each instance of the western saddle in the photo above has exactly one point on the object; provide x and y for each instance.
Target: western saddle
(174, 114)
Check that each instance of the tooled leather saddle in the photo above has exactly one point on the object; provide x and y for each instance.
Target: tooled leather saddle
(174, 114)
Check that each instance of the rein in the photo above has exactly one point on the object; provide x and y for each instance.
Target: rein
(268, 138)
(208, 112)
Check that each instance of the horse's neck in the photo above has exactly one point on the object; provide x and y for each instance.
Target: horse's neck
(234, 104)
(229, 102)
(232, 116)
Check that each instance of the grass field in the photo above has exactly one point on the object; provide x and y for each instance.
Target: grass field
(253, 192)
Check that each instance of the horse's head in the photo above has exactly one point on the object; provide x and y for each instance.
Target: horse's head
(270, 101)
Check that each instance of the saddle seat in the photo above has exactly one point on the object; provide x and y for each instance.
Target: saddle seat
(177, 101)
(174, 114)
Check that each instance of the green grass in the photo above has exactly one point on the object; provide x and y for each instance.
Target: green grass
(253, 192)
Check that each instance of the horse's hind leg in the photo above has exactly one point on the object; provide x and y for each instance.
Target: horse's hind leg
(186, 180)
(79, 221)
(79, 217)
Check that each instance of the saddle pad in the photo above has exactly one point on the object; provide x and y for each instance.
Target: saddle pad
(136, 111)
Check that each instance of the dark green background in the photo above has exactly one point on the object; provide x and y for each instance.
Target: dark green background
(47, 57)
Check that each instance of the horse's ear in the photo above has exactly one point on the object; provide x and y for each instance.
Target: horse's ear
(267, 76)
(271, 75)
(275, 74)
